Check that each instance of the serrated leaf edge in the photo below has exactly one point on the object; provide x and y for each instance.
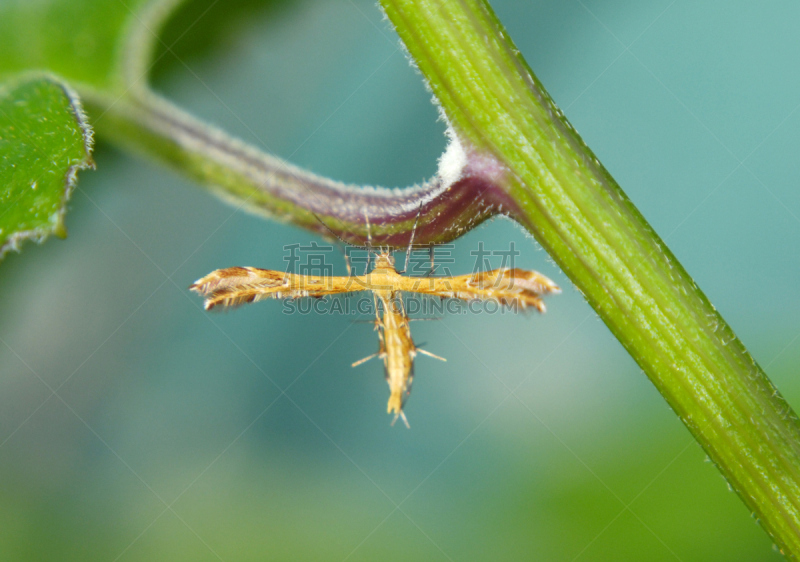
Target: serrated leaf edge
(39, 235)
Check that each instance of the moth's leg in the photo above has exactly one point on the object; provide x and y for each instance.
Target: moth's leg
(369, 240)
(364, 360)
(429, 354)
(411, 240)
(347, 263)
(369, 233)
(400, 414)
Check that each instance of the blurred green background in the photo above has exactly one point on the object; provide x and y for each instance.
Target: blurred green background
(172, 437)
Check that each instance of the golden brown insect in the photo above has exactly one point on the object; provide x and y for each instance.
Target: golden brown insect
(509, 287)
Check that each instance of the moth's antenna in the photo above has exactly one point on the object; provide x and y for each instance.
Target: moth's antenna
(342, 240)
(329, 229)
(411, 240)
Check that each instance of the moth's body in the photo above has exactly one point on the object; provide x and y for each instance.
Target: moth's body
(510, 287)
(397, 350)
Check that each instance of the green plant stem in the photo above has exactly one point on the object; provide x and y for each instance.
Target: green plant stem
(266, 185)
(579, 214)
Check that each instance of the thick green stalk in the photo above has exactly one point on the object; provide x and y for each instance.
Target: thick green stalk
(573, 207)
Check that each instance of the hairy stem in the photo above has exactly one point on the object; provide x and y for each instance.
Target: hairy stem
(575, 209)
(265, 184)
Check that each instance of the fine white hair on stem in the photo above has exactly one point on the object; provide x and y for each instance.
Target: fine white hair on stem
(453, 161)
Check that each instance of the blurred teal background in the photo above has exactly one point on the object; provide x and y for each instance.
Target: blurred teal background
(171, 437)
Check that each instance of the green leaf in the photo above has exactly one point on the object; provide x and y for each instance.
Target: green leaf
(44, 141)
(93, 44)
